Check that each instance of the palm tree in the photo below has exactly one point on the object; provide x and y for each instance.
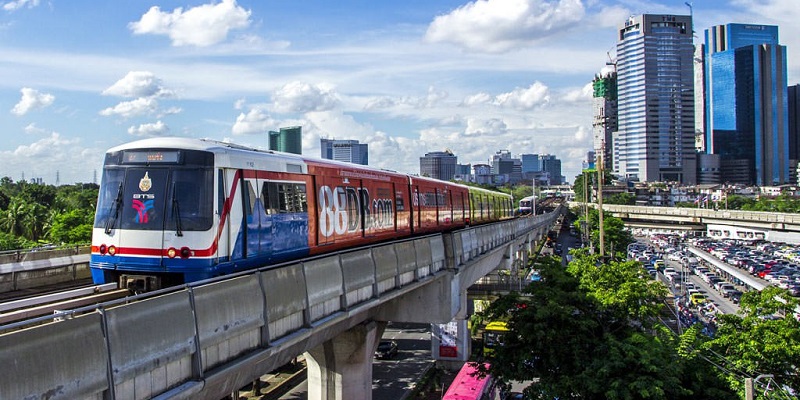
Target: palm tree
(11, 219)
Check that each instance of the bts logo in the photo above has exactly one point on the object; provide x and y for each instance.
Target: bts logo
(142, 207)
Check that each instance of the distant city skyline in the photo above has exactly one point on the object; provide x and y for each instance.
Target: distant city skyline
(404, 78)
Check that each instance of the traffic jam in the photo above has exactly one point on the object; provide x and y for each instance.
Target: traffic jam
(707, 277)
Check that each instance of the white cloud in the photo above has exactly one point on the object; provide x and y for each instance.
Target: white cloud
(32, 99)
(138, 84)
(493, 126)
(537, 94)
(149, 130)
(501, 25)
(43, 147)
(200, 26)
(477, 99)
(256, 121)
(582, 94)
(32, 129)
(127, 109)
(16, 5)
(300, 97)
(379, 103)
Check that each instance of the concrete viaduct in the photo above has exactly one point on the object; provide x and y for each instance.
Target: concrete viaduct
(207, 340)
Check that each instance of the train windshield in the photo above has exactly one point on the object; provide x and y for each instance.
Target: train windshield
(162, 198)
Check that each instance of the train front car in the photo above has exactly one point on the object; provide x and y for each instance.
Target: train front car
(155, 223)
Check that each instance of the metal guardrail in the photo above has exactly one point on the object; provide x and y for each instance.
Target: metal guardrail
(778, 220)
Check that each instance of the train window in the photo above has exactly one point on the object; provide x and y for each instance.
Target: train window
(398, 201)
(269, 197)
(220, 191)
(285, 203)
(109, 193)
(300, 197)
(249, 197)
(190, 200)
(144, 198)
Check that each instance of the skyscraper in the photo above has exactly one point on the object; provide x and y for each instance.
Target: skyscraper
(655, 140)
(345, 150)
(552, 165)
(794, 129)
(438, 165)
(746, 103)
(287, 140)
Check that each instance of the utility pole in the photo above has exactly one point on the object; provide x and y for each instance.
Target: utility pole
(600, 199)
(533, 193)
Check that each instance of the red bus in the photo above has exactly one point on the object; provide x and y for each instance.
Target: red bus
(469, 385)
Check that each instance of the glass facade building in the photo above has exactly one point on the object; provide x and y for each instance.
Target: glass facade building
(287, 140)
(345, 150)
(746, 103)
(438, 165)
(655, 88)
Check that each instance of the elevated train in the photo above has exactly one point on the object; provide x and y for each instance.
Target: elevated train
(177, 210)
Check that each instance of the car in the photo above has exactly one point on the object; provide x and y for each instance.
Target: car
(386, 349)
(697, 298)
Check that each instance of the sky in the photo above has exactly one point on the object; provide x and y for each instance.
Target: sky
(78, 77)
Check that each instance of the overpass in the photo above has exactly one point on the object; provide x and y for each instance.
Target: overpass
(732, 224)
(207, 340)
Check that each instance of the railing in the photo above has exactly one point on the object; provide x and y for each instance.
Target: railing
(703, 213)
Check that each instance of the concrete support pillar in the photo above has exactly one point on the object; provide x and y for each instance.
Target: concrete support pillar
(451, 343)
(341, 368)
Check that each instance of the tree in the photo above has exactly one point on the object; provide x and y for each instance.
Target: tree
(616, 238)
(755, 341)
(72, 227)
(625, 199)
(590, 332)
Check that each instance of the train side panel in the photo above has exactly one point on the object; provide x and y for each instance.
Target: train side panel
(356, 206)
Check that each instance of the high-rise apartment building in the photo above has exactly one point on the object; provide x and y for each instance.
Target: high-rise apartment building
(655, 88)
(345, 150)
(287, 140)
(439, 165)
(747, 103)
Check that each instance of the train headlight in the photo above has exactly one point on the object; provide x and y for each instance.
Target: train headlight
(112, 250)
(103, 249)
(185, 252)
(171, 253)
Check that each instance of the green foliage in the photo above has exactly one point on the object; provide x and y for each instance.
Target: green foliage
(74, 226)
(11, 242)
(616, 237)
(590, 332)
(625, 199)
(756, 342)
(33, 213)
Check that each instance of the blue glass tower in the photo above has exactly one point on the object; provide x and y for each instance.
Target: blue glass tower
(655, 89)
(746, 103)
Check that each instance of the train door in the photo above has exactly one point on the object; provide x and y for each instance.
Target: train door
(250, 220)
(222, 218)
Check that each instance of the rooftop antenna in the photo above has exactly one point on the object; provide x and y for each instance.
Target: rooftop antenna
(691, 13)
